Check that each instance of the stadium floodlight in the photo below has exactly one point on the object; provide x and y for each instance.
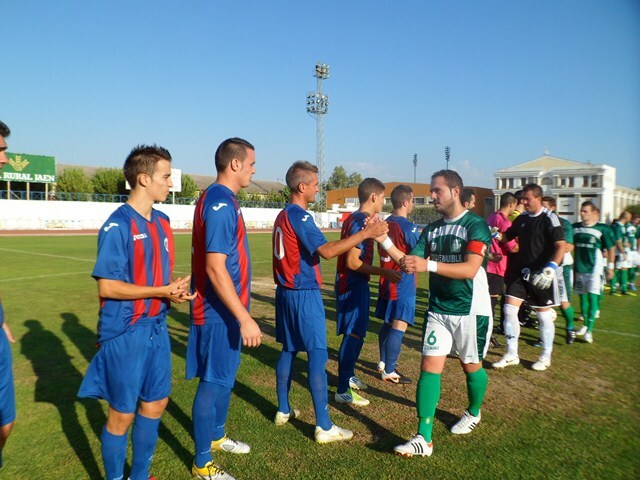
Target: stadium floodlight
(318, 106)
(447, 154)
(415, 164)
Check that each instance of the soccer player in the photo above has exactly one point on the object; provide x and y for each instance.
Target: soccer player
(396, 305)
(565, 272)
(453, 250)
(7, 395)
(220, 318)
(298, 245)
(468, 198)
(590, 238)
(352, 291)
(632, 233)
(533, 276)
(621, 276)
(134, 267)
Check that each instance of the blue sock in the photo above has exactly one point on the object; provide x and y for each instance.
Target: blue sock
(222, 410)
(284, 370)
(382, 339)
(347, 358)
(203, 414)
(318, 386)
(394, 344)
(114, 453)
(144, 436)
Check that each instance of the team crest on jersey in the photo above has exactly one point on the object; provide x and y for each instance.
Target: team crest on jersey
(434, 246)
(166, 244)
(456, 245)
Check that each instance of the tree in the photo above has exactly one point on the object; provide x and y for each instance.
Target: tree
(189, 188)
(74, 180)
(340, 179)
(355, 179)
(109, 181)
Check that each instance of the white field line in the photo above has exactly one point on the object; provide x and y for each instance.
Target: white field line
(36, 277)
(47, 255)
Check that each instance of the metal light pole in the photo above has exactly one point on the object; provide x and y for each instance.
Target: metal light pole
(318, 106)
(447, 154)
(415, 164)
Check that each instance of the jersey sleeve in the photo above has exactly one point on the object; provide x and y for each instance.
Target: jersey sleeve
(479, 238)
(307, 231)
(555, 229)
(512, 232)
(568, 231)
(221, 221)
(356, 225)
(112, 261)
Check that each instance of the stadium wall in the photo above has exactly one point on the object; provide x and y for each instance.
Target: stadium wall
(52, 215)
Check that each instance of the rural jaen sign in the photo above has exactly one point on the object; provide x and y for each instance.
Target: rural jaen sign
(29, 168)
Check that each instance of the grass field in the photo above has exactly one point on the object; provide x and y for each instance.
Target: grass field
(580, 419)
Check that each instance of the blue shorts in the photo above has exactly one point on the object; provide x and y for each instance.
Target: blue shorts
(134, 365)
(300, 320)
(352, 311)
(400, 309)
(213, 352)
(7, 394)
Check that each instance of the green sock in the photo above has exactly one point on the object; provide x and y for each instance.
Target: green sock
(584, 306)
(476, 388)
(591, 313)
(624, 279)
(568, 314)
(427, 397)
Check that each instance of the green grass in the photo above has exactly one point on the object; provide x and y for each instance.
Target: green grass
(580, 419)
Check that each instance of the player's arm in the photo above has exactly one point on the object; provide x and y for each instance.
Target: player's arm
(560, 246)
(354, 263)
(338, 247)
(5, 326)
(177, 291)
(218, 274)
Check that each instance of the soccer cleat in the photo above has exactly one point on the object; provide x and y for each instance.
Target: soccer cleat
(356, 384)
(588, 337)
(581, 331)
(616, 294)
(466, 424)
(151, 477)
(571, 336)
(225, 444)
(282, 418)
(506, 361)
(580, 318)
(494, 342)
(210, 471)
(416, 446)
(542, 364)
(632, 287)
(381, 366)
(395, 377)
(334, 434)
(597, 313)
(350, 396)
(630, 294)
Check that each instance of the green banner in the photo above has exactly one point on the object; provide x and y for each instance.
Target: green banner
(29, 168)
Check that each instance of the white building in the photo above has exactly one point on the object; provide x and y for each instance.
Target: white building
(571, 183)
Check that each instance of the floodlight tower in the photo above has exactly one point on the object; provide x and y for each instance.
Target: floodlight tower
(415, 164)
(318, 106)
(447, 154)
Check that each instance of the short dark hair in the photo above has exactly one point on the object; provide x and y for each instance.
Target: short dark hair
(229, 149)
(451, 178)
(143, 159)
(369, 186)
(4, 130)
(518, 194)
(507, 199)
(400, 194)
(550, 200)
(533, 188)
(588, 203)
(466, 195)
(299, 172)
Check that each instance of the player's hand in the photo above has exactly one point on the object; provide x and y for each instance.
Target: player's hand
(8, 332)
(376, 229)
(495, 257)
(178, 290)
(393, 276)
(544, 279)
(250, 332)
(411, 264)
(495, 233)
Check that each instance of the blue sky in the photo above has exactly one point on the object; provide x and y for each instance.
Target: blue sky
(496, 80)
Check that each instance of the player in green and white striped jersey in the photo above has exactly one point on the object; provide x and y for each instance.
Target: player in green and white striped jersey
(621, 276)
(632, 232)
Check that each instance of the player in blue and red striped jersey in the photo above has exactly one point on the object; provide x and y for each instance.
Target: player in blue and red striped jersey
(352, 291)
(396, 304)
(134, 270)
(220, 318)
(298, 245)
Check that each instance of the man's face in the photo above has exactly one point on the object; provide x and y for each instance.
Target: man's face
(410, 204)
(311, 188)
(378, 201)
(531, 203)
(247, 168)
(471, 203)
(444, 200)
(160, 182)
(587, 214)
(548, 206)
(3, 155)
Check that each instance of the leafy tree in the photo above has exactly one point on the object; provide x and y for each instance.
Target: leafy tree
(73, 179)
(109, 181)
(189, 188)
(242, 195)
(634, 209)
(355, 179)
(340, 179)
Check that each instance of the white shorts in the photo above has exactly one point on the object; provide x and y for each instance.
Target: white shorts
(469, 335)
(564, 292)
(588, 283)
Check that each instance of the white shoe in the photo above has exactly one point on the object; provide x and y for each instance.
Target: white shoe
(542, 364)
(356, 384)
(507, 361)
(225, 444)
(282, 418)
(466, 424)
(581, 331)
(597, 313)
(210, 471)
(381, 366)
(395, 377)
(334, 434)
(416, 446)
(588, 337)
(351, 397)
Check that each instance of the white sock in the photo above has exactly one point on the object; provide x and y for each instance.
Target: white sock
(547, 331)
(511, 328)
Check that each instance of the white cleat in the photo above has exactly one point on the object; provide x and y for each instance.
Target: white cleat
(225, 444)
(381, 366)
(350, 396)
(542, 364)
(282, 418)
(507, 361)
(416, 446)
(466, 424)
(588, 337)
(334, 434)
(581, 331)
(356, 384)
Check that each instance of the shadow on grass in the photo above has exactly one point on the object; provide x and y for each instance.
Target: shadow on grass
(57, 382)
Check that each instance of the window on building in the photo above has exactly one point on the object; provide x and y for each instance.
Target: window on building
(418, 200)
(546, 181)
(352, 201)
(510, 183)
(595, 181)
(585, 181)
(571, 182)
